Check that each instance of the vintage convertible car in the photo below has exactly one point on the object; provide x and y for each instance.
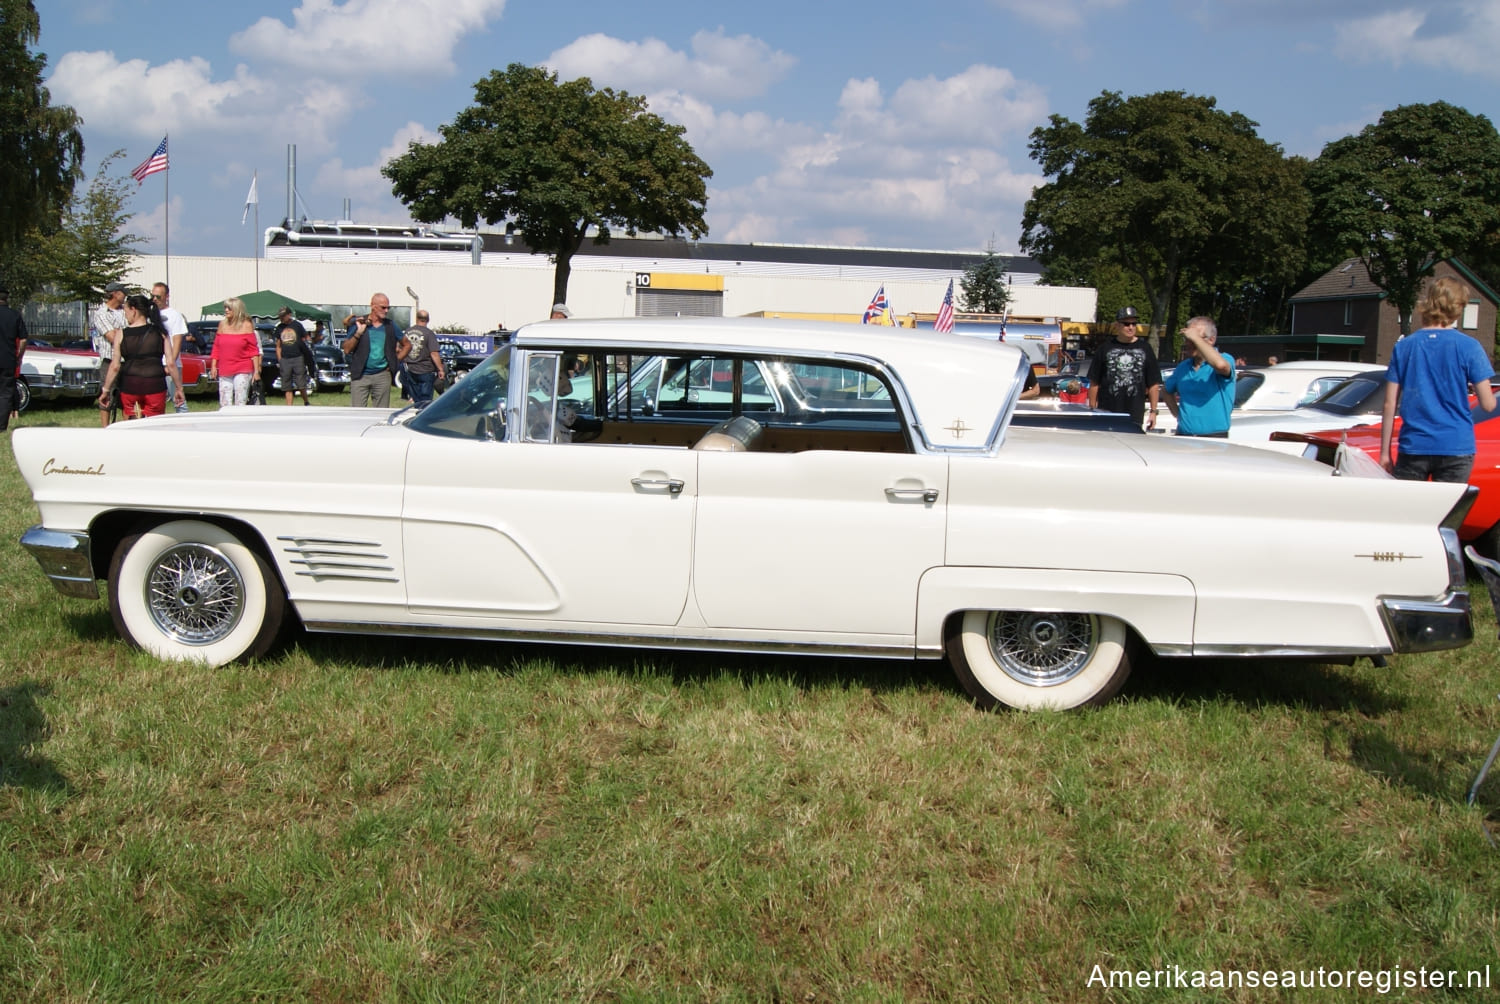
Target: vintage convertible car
(869, 494)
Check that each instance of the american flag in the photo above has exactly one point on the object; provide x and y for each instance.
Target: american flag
(152, 164)
(944, 323)
(877, 307)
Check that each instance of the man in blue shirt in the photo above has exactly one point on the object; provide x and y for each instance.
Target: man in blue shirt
(1430, 374)
(1200, 391)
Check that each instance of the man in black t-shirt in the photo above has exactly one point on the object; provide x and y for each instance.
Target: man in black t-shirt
(291, 337)
(1124, 374)
(12, 348)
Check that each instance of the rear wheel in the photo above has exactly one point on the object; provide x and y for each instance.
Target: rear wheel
(189, 591)
(1028, 659)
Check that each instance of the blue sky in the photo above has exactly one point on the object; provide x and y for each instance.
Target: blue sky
(852, 122)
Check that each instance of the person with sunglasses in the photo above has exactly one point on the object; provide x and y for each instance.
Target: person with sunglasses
(1125, 373)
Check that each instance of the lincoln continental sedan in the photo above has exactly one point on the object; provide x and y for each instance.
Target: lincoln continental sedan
(744, 485)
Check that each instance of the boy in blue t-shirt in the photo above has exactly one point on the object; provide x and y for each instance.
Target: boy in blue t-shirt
(1430, 373)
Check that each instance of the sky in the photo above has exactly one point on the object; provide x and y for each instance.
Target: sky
(870, 123)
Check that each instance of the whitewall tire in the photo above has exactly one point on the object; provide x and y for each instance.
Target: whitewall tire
(189, 591)
(1029, 659)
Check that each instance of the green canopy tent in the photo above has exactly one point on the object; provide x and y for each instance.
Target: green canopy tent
(267, 303)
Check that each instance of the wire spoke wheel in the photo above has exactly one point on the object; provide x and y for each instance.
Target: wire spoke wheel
(191, 591)
(195, 594)
(1042, 649)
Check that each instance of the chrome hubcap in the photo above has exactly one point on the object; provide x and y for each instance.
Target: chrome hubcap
(1042, 649)
(195, 594)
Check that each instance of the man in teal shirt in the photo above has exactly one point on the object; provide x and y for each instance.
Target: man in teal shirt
(1200, 391)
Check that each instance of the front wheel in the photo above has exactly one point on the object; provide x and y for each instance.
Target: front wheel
(189, 591)
(23, 395)
(1027, 660)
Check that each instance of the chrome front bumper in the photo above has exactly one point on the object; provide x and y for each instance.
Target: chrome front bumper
(64, 557)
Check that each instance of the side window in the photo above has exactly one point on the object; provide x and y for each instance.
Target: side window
(1246, 384)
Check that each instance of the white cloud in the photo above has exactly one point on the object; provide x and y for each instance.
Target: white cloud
(1462, 36)
(1057, 14)
(181, 95)
(364, 37)
(929, 156)
(720, 67)
(368, 190)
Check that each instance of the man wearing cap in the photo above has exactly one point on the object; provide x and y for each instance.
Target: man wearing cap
(1200, 390)
(1125, 373)
(291, 360)
(108, 317)
(12, 348)
(424, 363)
(560, 312)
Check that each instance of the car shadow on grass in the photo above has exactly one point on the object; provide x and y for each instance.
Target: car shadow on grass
(1260, 683)
(23, 730)
(680, 665)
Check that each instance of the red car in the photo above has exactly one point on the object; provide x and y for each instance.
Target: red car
(1482, 525)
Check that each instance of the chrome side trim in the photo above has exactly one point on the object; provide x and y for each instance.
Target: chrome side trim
(335, 558)
(1282, 651)
(64, 557)
(565, 637)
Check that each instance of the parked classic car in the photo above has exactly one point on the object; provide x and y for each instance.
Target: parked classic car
(528, 503)
(47, 374)
(1356, 400)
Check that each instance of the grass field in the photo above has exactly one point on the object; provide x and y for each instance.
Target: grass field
(357, 820)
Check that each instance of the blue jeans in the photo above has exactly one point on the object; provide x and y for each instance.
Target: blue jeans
(1434, 467)
(420, 385)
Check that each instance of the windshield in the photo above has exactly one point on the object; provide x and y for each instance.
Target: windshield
(1358, 395)
(473, 408)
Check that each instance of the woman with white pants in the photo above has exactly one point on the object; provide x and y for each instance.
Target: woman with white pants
(235, 358)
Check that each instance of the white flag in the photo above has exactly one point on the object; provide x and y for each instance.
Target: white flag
(251, 199)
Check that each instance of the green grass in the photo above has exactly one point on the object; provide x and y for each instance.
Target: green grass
(362, 820)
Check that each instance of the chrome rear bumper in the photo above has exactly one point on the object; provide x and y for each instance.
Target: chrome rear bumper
(64, 557)
(1427, 625)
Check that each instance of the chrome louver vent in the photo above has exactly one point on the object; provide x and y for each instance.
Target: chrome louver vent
(339, 558)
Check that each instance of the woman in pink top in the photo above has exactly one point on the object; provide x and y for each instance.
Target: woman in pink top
(235, 358)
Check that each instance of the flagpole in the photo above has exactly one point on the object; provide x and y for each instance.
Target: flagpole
(255, 237)
(166, 213)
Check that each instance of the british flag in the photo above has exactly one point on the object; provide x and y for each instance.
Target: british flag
(152, 164)
(944, 323)
(877, 308)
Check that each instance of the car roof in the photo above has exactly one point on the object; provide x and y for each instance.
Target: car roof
(1323, 366)
(957, 385)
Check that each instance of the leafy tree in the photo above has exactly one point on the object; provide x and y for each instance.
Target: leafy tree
(558, 158)
(983, 285)
(1420, 185)
(92, 247)
(41, 144)
(1163, 185)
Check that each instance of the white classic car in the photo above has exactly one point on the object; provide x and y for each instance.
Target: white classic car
(48, 373)
(752, 485)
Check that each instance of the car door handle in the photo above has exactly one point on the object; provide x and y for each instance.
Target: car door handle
(928, 495)
(672, 485)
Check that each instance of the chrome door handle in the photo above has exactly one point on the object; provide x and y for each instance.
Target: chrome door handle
(672, 485)
(928, 495)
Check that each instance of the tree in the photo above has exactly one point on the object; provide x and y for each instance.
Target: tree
(41, 144)
(1160, 184)
(92, 247)
(983, 285)
(1419, 186)
(557, 158)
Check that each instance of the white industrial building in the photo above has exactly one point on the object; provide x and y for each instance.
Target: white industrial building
(481, 281)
